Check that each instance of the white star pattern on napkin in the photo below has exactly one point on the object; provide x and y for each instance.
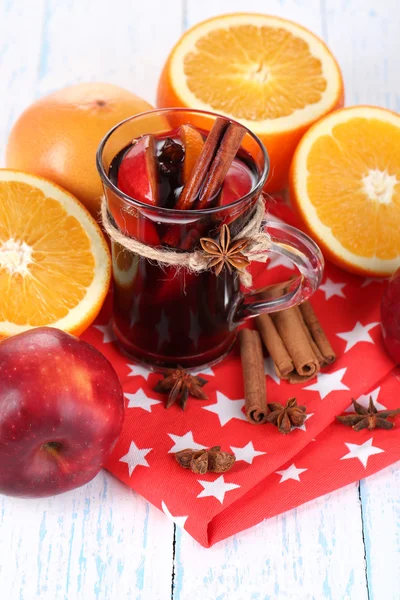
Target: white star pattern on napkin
(135, 457)
(362, 451)
(328, 382)
(369, 280)
(269, 369)
(364, 401)
(180, 521)
(303, 427)
(140, 400)
(278, 260)
(217, 489)
(181, 442)
(207, 371)
(139, 370)
(330, 289)
(247, 453)
(107, 331)
(359, 333)
(226, 409)
(291, 472)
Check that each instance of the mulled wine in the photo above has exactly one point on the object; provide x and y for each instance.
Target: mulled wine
(179, 184)
(152, 170)
(165, 315)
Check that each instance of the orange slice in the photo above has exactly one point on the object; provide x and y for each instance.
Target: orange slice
(193, 143)
(55, 265)
(345, 183)
(272, 75)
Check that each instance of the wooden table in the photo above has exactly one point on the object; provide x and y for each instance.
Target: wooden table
(103, 541)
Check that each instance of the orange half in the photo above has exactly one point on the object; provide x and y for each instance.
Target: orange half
(55, 265)
(274, 76)
(345, 183)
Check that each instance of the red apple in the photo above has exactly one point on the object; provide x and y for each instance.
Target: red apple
(138, 172)
(61, 412)
(390, 316)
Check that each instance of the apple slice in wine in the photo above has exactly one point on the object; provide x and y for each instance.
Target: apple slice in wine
(138, 178)
(138, 172)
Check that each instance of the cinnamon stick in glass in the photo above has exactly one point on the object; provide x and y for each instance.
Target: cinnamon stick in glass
(207, 176)
(228, 148)
(255, 391)
(192, 188)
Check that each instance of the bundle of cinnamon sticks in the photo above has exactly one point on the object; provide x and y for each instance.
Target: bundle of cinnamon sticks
(297, 345)
(296, 342)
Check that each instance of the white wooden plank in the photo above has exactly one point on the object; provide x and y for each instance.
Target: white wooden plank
(100, 541)
(124, 42)
(380, 497)
(304, 12)
(364, 36)
(310, 553)
(21, 25)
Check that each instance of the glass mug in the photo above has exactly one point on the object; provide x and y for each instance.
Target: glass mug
(166, 316)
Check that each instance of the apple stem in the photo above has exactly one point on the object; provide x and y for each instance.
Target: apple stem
(53, 449)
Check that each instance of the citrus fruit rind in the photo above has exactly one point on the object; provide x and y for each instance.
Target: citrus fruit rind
(272, 75)
(55, 265)
(57, 136)
(345, 186)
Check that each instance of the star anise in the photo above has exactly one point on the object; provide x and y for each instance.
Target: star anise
(225, 253)
(180, 384)
(286, 417)
(368, 418)
(203, 461)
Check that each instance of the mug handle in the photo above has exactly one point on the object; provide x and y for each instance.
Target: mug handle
(305, 254)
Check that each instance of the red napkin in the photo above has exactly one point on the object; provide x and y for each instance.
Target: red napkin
(273, 472)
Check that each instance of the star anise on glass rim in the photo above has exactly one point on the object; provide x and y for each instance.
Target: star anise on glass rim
(368, 418)
(180, 384)
(224, 253)
(286, 417)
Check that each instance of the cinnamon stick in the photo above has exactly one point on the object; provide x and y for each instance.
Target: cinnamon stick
(318, 334)
(275, 346)
(228, 148)
(311, 341)
(295, 341)
(207, 175)
(191, 190)
(292, 334)
(255, 391)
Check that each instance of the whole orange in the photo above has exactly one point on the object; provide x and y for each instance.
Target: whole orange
(57, 136)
